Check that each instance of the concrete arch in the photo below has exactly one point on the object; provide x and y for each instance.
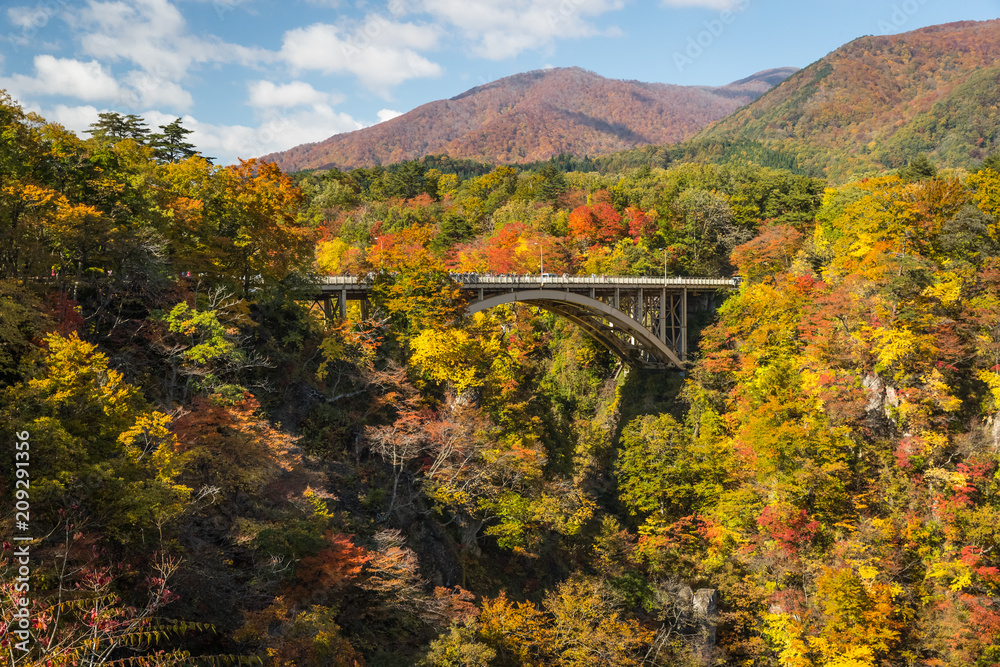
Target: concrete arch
(601, 321)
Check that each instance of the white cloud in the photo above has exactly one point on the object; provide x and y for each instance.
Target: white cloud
(224, 5)
(226, 143)
(64, 76)
(380, 53)
(388, 114)
(278, 133)
(91, 82)
(29, 18)
(267, 95)
(383, 32)
(75, 118)
(148, 91)
(719, 5)
(153, 35)
(499, 30)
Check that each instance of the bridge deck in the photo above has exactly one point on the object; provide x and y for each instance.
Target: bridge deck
(333, 284)
(643, 320)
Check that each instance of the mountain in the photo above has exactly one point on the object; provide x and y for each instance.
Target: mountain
(534, 116)
(877, 102)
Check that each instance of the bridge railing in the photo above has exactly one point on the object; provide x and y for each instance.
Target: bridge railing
(483, 279)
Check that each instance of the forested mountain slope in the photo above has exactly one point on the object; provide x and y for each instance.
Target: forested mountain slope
(218, 474)
(878, 102)
(534, 116)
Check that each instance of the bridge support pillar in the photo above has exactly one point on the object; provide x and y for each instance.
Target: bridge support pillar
(343, 304)
(663, 315)
(639, 316)
(684, 324)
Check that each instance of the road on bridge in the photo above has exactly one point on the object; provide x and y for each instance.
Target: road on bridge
(642, 320)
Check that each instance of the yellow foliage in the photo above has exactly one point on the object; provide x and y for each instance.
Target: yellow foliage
(579, 627)
(32, 195)
(955, 480)
(893, 346)
(450, 496)
(566, 513)
(449, 355)
(76, 371)
(940, 392)
(852, 656)
(986, 193)
(448, 184)
(345, 344)
(930, 441)
(992, 380)
(948, 287)
(957, 573)
(329, 256)
(150, 436)
(857, 627)
(786, 634)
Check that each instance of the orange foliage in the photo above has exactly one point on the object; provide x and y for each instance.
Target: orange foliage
(337, 565)
(232, 446)
(513, 249)
(598, 222)
(768, 253)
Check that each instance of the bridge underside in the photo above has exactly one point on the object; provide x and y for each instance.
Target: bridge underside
(638, 332)
(643, 321)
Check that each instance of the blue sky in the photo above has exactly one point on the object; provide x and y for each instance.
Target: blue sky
(255, 76)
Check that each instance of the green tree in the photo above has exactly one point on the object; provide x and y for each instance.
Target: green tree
(170, 144)
(26, 171)
(704, 224)
(95, 442)
(664, 474)
(919, 168)
(551, 184)
(992, 162)
(406, 180)
(113, 127)
(21, 322)
(199, 348)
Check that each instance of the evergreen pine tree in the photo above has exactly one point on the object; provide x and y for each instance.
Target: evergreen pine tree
(113, 127)
(920, 168)
(552, 185)
(992, 162)
(169, 144)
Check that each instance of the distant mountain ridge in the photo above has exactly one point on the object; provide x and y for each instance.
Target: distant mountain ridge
(878, 102)
(534, 116)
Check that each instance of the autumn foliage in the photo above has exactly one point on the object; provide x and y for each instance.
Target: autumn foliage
(220, 472)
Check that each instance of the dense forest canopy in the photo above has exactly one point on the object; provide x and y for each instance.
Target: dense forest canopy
(219, 474)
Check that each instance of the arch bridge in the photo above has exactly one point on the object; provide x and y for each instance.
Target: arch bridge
(644, 321)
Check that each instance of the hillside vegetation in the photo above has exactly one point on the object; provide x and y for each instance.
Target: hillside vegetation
(535, 116)
(218, 474)
(878, 102)
(873, 104)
